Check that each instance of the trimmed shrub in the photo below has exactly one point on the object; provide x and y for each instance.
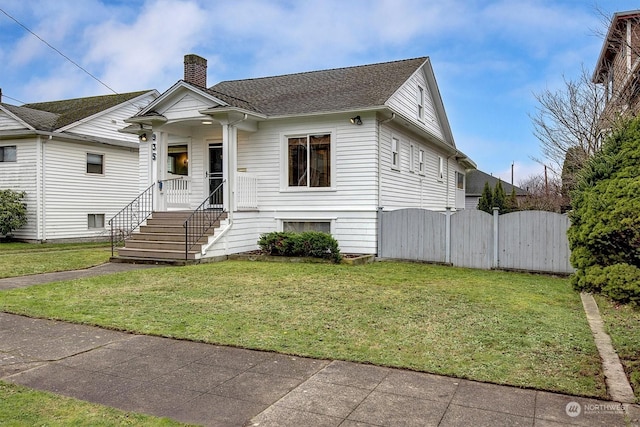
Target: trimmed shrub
(13, 211)
(308, 244)
(604, 236)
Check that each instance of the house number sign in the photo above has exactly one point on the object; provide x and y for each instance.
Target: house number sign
(153, 154)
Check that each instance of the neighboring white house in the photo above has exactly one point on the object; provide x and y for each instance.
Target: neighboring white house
(320, 150)
(76, 168)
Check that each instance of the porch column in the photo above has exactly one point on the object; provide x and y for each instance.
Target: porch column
(159, 173)
(228, 167)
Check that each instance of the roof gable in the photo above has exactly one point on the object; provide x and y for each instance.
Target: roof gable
(183, 93)
(338, 89)
(71, 111)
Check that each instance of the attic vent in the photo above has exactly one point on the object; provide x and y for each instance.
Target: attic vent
(195, 70)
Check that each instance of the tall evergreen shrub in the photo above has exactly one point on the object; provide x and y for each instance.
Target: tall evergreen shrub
(604, 236)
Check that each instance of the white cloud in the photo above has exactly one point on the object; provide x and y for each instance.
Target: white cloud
(149, 50)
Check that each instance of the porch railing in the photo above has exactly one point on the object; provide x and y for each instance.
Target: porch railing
(247, 191)
(130, 217)
(203, 218)
(176, 191)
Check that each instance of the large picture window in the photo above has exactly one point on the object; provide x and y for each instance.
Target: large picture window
(309, 161)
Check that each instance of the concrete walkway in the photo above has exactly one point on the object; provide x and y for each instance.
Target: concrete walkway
(226, 386)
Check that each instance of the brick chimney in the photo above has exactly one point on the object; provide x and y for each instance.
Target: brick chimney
(195, 70)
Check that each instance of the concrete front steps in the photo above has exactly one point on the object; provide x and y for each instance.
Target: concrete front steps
(162, 240)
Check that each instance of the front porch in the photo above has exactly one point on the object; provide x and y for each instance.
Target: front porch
(179, 194)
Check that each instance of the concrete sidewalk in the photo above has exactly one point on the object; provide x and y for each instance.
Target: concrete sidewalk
(226, 386)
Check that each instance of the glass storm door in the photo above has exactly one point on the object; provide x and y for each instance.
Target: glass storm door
(214, 175)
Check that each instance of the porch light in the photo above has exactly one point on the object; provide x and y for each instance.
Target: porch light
(356, 120)
(143, 137)
(207, 122)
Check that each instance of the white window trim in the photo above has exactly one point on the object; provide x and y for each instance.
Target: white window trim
(395, 153)
(464, 184)
(86, 163)
(421, 161)
(96, 215)
(188, 144)
(420, 102)
(440, 171)
(15, 149)
(284, 162)
(281, 219)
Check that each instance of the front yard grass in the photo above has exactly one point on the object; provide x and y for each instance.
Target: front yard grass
(506, 328)
(21, 406)
(20, 259)
(622, 323)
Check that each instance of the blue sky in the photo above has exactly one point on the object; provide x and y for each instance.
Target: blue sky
(489, 57)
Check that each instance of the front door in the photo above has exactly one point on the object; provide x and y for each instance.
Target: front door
(214, 176)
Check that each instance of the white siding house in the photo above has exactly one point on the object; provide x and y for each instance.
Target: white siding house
(76, 169)
(322, 150)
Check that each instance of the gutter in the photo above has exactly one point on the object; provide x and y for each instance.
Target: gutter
(68, 137)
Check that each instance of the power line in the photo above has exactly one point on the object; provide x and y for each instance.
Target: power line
(4, 95)
(60, 53)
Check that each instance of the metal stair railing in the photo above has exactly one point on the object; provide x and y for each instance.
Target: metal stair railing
(203, 218)
(125, 222)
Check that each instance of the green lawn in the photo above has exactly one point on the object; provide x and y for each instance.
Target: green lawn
(20, 406)
(20, 259)
(508, 328)
(622, 323)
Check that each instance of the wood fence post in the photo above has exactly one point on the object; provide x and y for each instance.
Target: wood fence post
(379, 217)
(447, 237)
(496, 260)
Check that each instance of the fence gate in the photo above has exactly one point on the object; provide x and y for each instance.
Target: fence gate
(526, 240)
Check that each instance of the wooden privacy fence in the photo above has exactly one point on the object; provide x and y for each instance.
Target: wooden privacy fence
(526, 240)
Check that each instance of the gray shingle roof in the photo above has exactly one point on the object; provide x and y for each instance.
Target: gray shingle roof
(475, 180)
(49, 116)
(41, 120)
(337, 89)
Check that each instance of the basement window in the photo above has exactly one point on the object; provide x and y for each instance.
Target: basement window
(95, 220)
(302, 226)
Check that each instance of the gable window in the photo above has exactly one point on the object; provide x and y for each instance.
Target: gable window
(95, 163)
(8, 153)
(95, 220)
(309, 161)
(460, 181)
(421, 162)
(395, 153)
(440, 175)
(420, 103)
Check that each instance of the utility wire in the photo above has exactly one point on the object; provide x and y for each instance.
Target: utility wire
(60, 53)
(4, 95)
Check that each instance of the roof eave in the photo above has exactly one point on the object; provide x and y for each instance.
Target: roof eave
(70, 137)
(605, 45)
